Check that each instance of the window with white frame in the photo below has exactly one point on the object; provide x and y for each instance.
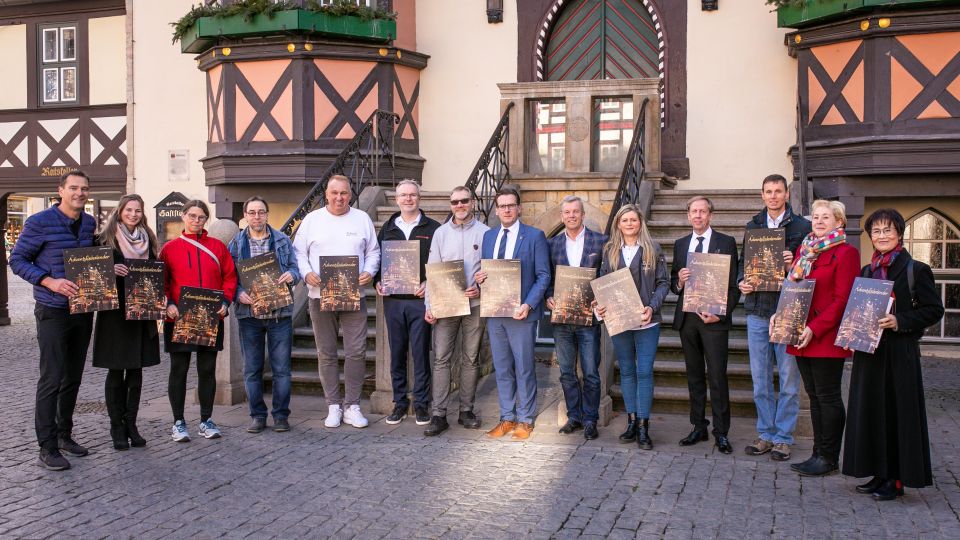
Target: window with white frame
(57, 63)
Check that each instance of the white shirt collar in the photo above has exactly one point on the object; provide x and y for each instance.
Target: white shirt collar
(580, 235)
(774, 222)
(706, 239)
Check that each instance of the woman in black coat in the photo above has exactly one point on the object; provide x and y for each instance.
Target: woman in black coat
(886, 433)
(125, 347)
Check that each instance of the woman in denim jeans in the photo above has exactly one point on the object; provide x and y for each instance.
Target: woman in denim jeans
(630, 246)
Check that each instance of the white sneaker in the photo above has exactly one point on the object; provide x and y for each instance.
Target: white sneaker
(354, 417)
(179, 432)
(334, 416)
(209, 430)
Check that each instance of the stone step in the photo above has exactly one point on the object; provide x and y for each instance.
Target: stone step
(676, 400)
(305, 382)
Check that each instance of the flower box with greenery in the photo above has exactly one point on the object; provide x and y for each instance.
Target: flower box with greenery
(204, 25)
(805, 13)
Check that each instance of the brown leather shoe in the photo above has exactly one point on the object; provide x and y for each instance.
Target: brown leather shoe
(504, 427)
(522, 431)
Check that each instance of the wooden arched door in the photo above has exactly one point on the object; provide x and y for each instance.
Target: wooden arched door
(604, 39)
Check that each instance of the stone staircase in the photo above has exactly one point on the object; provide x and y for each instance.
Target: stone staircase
(305, 375)
(667, 222)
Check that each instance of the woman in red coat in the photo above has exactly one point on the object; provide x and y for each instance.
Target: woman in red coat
(826, 257)
(195, 260)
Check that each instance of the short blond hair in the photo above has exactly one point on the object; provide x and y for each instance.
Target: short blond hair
(838, 208)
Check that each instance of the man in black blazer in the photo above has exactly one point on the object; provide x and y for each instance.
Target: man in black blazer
(704, 336)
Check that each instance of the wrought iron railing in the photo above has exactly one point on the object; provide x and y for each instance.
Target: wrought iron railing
(493, 167)
(360, 161)
(631, 179)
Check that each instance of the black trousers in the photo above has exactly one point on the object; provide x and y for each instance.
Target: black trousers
(821, 379)
(206, 382)
(408, 331)
(63, 340)
(705, 345)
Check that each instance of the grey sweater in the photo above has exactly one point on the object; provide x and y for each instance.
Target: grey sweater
(458, 242)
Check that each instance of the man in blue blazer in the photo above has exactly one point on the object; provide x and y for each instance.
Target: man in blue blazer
(577, 246)
(512, 339)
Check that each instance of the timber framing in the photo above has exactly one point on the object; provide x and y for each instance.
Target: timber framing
(280, 109)
(880, 99)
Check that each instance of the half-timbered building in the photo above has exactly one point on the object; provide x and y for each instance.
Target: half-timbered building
(646, 101)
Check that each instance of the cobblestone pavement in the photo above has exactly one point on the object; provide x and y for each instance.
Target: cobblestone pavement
(387, 481)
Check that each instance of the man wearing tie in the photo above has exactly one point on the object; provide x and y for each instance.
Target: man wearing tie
(512, 338)
(580, 247)
(704, 336)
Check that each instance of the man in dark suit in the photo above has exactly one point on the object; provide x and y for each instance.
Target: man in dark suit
(512, 338)
(577, 246)
(704, 336)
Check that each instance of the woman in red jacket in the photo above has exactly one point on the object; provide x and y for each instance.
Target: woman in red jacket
(195, 260)
(826, 257)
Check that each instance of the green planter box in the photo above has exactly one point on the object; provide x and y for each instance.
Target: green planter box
(207, 30)
(822, 11)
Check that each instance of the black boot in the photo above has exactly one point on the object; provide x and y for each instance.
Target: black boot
(119, 435)
(643, 435)
(820, 466)
(133, 382)
(115, 408)
(870, 486)
(888, 491)
(797, 466)
(630, 434)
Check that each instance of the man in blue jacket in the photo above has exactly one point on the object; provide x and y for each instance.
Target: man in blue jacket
(275, 329)
(776, 411)
(63, 338)
(512, 339)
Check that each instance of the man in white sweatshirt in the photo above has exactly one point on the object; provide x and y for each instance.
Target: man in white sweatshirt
(338, 229)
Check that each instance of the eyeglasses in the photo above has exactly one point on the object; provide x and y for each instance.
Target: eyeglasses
(407, 195)
(256, 212)
(508, 207)
(458, 202)
(879, 233)
(196, 217)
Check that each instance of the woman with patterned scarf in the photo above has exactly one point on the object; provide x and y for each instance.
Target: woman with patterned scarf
(826, 257)
(121, 346)
(887, 433)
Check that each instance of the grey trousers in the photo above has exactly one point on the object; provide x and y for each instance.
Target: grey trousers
(445, 333)
(353, 325)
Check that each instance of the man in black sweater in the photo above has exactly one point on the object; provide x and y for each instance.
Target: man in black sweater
(407, 330)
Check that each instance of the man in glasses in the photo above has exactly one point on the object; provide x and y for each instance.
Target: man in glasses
(458, 239)
(404, 313)
(275, 329)
(512, 338)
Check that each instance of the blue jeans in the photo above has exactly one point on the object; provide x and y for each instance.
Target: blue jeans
(511, 343)
(278, 334)
(635, 350)
(583, 402)
(776, 417)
